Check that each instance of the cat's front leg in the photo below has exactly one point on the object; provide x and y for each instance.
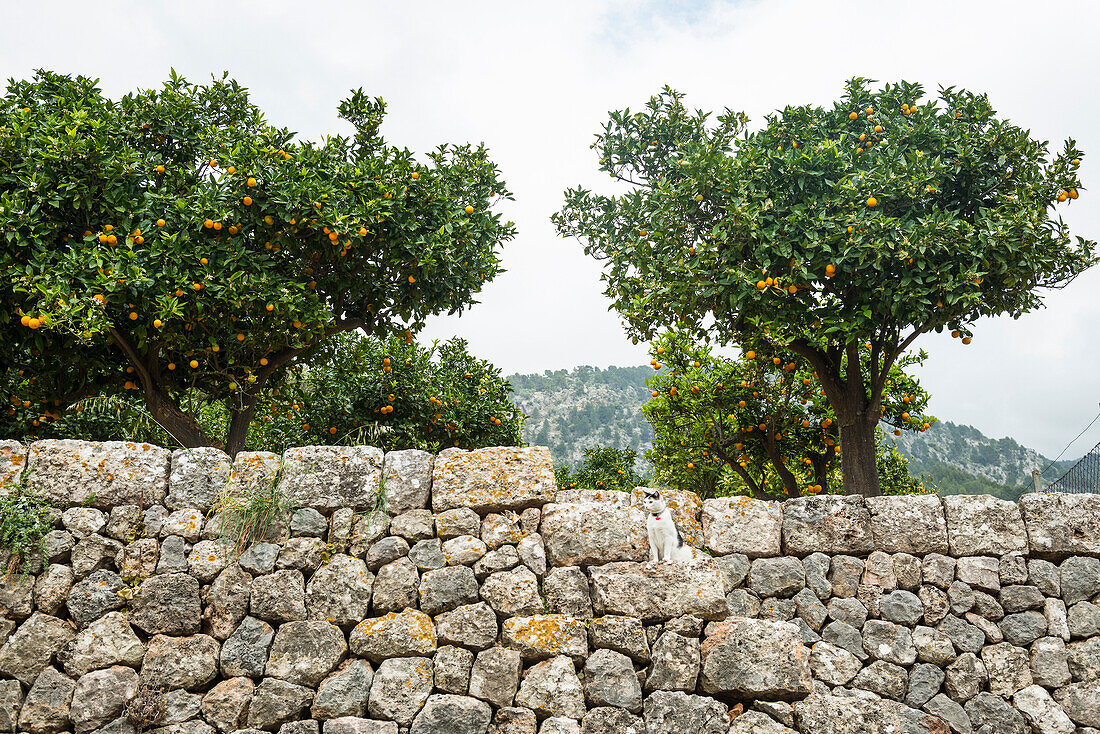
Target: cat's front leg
(653, 555)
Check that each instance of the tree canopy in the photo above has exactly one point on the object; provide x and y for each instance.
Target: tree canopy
(757, 423)
(175, 242)
(872, 221)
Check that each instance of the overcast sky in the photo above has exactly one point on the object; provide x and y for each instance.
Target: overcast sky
(534, 81)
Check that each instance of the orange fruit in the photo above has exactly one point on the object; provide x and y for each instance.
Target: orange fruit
(878, 128)
(194, 364)
(750, 355)
(761, 284)
(213, 164)
(1063, 196)
(469, 209)
(108, 227)
(263, 361)
(362, 231)
(160, 222)
(208, 223)
(247, 201)
(203, 261)
(852, 115)
(414, 175)
(966, 340)
(412, 279)
(240, 337)
(157, 323)
(1072, 193)
(160, 169)
(792, 289)
(103, 237)
(830, 270)
(26, 321)
(1076, 161)
(171, 365)
(872, 202)
(133, 316)
(217, 225)
(251, 182)
(111, 239)
(270, 307)
(197, 286)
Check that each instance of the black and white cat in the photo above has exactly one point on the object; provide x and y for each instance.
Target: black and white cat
(665, 541)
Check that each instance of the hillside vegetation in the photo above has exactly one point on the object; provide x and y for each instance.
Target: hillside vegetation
(571, 410)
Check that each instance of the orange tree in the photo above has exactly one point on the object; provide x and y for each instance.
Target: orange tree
(762, 417)
(174, 241)
(604, 467)
(872, 221)
(357, 390)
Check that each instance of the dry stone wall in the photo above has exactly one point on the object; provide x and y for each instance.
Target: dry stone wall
(476, 598)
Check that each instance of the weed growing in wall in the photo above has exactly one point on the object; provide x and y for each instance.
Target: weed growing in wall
(248, 513)
(24, 521)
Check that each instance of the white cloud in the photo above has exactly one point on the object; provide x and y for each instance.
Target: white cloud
(535, 81)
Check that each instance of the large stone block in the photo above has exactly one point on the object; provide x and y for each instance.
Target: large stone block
(102, 475)
(912, 523)
(13, 458)
(583, 533)
(330, 477)
(686, 508)
(755, 659)
(865, 713)
(742, 525)
(659, 591)
(982, 525)
(1062, 524)
(546, 635)
(831, 524)
(493, 479)
(408, 478)
(197, 478)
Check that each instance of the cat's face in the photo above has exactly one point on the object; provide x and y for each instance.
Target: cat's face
(652, 501)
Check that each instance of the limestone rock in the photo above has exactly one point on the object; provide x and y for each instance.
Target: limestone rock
(101, 696)
(331, 477)
(96, 595)
(660, 591)
(832, 524)
(414, 525)
(513, 720)
(1040, 710)
(621, 634)
(275, 702)
(303, 653)
(396, 587)
(279, 596)
(167, 604)
(513, 593)
(245, 651)
(983, 525)
(833, 665)
(567, 592)
(888, 641)
(27, 652)
(459, 521)
(742, 525)
(1062, 524)
(610, 720)
(1050, 663)
(829, 714)
(585, 533)
(1007, 667)
(882, 678)
(471, 625)
(676, 663)
(386, 550)
(494, 676)
(447, 588)
(532, 553)
(340, 591)
(753, 658)
(452, 669)
(259, 559)
(986, 709)
(609, 680)
(180, 662)
(345, 692)
(501, 529)
(197, 477)
(427, 554)
(1081, 701)
(72, 473)
(465, 550)
(138, 560)
(226, 704)
(308, 522)
(226, 602)
(105, 642)
(754, 722)
(1080, 579)
(449, 714)
(951, 712)
(551, 688)
(13, 458)
(401, 687)
(46, 709)
(912, 523)
(545, 636)
(398, 634)
(493, 479)
(408, 479)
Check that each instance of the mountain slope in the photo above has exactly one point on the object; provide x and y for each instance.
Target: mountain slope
(571, 410)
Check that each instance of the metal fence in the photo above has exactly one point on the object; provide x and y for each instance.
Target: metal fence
(1084, 476)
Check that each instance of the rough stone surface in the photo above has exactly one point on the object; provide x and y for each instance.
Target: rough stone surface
(545, 636)
(659, 591)
(447, 588)
(303, 653)
(495, 675)
(1062, 524)
(493, 479)
(330, 477)
(584, 533)
(408, 477)
(676, 663)
(340, 591)
(245, 651)
(167, 604)
(757, 659)
(105, 642)
(742, 525)
(908, 524)
(279, 597)
(401, 687)
(551, 688)
(102, 475)
(827, 524)
(471, 625)
(398, 634)
(452, 669)
(345, 692)
(47, 707)
(983, 525)
(567, 592)
(31, 648)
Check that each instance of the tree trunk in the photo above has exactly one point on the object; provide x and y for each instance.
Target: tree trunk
(857, 454)
(238, 426)
(176, 423)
